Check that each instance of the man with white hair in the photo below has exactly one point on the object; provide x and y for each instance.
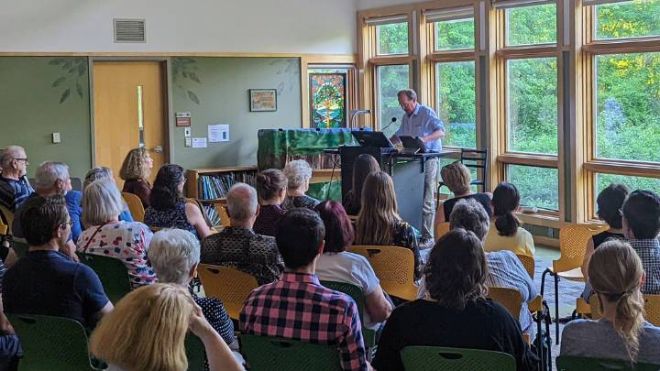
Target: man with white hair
(14, 185)
(51, 179)
(238, 246)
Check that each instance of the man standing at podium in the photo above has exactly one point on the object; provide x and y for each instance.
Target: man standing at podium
(422, 122)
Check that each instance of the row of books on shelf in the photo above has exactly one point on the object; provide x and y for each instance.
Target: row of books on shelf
(211, 187)
(212, 213)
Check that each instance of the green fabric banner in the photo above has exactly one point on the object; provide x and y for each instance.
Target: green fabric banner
(276, 146)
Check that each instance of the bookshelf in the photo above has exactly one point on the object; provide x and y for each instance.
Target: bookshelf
(210, 185)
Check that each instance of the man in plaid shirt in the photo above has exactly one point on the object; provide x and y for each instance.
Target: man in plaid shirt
(641, 225)
(297, 306)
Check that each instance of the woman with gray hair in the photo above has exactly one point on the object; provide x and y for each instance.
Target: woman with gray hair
(106, 235)
(103, 172)
(298, 174)
(174, 255)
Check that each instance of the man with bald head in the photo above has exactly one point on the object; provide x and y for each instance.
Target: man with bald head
(14, 185)
(237, 246)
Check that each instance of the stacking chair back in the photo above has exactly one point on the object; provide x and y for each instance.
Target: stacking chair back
(263, 353)
(357, 295)
(508, 298)
(51, 343)
(431, 358)
(441, 228)
(7, 218)
(227, 284)
(195, 352)
(134, 206)
(394, 266)
(529, 264)
(112, 272)
(652, 308)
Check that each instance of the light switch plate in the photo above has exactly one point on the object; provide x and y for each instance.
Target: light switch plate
(57, 138)
(188, 141)
(187, 132)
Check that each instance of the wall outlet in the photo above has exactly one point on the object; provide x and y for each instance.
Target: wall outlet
(188, 141)
(187, 132)
(57, 138)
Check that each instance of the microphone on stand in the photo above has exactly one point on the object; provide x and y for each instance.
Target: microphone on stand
(390, 124)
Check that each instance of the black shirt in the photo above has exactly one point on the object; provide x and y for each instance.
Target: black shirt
(604, 236)
(483, 324)
(482, 198)
(47, 282)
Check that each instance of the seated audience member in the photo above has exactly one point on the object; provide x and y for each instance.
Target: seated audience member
(364, 165)
(504, 267)
(457, 178)
(102, 172)
(323, 316)
(378, 222)
(108, 236)
(271, 189)
(337, 264)
(616, 274)
(609, 201)
(456, 313)
(52, 178)
(10, 345)
(14, 184)
(135, 172)
(45, 281)
(298, 174)
(174, 254)
(147, 331)
(641, 225)
(168, 208)
(506, 233)
(238, 246)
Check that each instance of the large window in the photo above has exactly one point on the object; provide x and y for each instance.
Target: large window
(390, 79)
(528, 56)
(392, 38)
(622, 62)
(453, 75)
(628, 106)
(630, 19)
(532, 105)
(529, 25)
(538, 186)
(456, 102)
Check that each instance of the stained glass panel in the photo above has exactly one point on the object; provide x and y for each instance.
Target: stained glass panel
(328, 100)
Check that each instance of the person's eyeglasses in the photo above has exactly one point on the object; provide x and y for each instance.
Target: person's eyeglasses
(22, 159)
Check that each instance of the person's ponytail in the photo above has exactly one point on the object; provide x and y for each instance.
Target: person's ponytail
(507, 224)
(506, 200)
(629, 319)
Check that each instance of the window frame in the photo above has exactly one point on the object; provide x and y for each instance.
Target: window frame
(590, 50)
(434, 56)
(502, 54)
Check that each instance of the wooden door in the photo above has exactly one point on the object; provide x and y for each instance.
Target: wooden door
(129, 111)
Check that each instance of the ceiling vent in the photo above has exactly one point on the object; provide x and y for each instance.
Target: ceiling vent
(129, 30)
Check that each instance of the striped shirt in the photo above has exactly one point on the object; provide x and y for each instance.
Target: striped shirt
(14, 192)
(297, 307)
(649, 253)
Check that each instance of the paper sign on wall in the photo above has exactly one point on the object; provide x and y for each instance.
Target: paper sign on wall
(199, 142)
(218, 133)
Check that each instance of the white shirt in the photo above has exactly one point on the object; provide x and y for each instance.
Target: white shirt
(348, 267)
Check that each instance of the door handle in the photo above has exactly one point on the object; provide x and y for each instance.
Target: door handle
(157, 149)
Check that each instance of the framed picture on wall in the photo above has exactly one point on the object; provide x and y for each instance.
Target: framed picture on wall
(263, 100)
(327, 100)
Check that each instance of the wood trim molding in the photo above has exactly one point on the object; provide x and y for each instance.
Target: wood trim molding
(529, 51)
(622, 46)
(528, 159)
(643, 169)
(324, 58)
(399, 59)
(457, 56)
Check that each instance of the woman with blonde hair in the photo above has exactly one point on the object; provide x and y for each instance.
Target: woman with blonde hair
(147, 331)
(135, 172)
(615, 274)
(378, 222)
(456, 177)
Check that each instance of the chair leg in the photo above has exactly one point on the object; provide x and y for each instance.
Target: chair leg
(556, 309)
(548, 339)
